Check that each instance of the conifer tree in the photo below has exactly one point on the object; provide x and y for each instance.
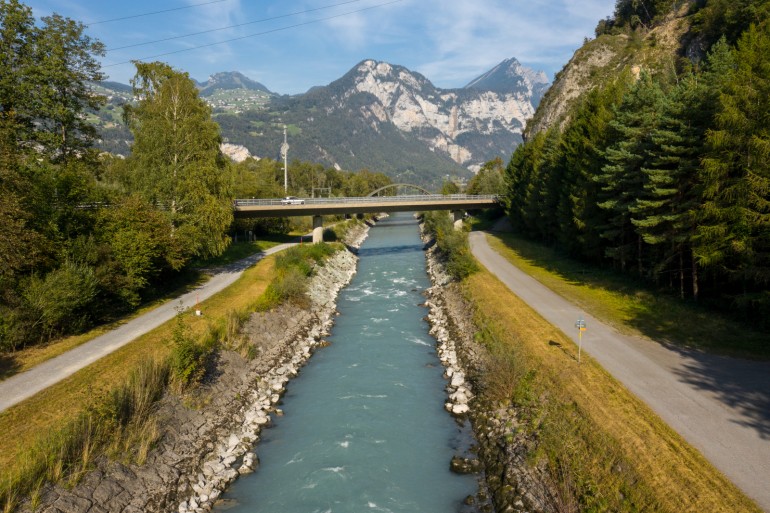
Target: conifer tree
(543, 213)
(665, 216)
(734, 234)
(521, 175)
(583, 145)
(622, 180)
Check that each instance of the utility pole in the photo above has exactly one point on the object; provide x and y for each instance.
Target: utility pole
(285, 155)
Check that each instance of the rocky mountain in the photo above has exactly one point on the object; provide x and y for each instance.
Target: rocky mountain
(470, 125)
(388, 118)
(383, 117)
(510, 77)
(604, 59)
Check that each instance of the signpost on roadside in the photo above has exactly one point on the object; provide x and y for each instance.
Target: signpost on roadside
(580, 324)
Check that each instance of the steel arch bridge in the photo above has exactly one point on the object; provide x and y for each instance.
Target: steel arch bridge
(398, 186)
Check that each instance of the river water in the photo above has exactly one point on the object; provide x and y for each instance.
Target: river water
(364, 428)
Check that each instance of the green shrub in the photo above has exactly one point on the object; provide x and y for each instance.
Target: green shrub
(135, 399)
(60, 299)
(291, 286)
(188, 358)
(452, 244)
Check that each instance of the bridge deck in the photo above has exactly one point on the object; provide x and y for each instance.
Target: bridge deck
(335, 206)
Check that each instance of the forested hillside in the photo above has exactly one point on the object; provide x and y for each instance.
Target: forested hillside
(657, 162)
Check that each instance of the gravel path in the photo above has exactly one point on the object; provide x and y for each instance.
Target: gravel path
(26, 384)
(720, 405)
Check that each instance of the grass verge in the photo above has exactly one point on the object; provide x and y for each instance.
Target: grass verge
(106, 407)
(630, 307)
(604, 449)
(43, 437)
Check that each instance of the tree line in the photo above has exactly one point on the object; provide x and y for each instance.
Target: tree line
(665, 176)
(85, 236)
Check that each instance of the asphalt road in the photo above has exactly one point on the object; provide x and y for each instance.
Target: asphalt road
(26, 384)
(719, 405)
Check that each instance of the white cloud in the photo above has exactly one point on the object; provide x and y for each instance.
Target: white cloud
(467, 38)
(351, 30)
(215, 15)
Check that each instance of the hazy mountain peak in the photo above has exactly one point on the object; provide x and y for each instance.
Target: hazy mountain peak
(228, 80)
(510, 76)
(378, 72)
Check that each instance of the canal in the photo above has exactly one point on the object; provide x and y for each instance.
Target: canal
(364, 428)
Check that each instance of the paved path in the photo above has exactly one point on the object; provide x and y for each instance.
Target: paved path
(26, 384)
(719, 405)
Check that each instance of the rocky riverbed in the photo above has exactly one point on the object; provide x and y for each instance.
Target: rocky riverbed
(208, 436)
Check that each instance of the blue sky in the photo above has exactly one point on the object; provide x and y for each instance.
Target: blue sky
(449, 41)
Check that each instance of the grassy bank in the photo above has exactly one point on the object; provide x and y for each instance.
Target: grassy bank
(29, 431)
(629, 306)
(604, 449)
(104, 408)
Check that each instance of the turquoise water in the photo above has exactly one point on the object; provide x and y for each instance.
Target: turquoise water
(364, 427)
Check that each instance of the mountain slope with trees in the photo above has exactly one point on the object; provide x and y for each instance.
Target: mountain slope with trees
(652, 150)
(377, 116)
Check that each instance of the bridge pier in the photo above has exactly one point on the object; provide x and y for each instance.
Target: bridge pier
(457, 219)
(318, 229)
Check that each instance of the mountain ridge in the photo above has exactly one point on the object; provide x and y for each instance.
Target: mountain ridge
(379, 116)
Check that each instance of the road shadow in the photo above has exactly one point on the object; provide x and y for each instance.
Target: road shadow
(390, 250)
(8, 366)
(741, 385)
(563, 349)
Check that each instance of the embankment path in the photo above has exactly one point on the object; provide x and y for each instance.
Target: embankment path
(719, 405)
(26, 384)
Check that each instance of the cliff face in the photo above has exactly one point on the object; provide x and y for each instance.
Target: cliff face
(605, 58)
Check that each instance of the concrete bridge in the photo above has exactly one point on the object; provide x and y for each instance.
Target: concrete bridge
(319, 207)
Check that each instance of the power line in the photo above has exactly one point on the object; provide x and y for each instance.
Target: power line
(253, 35)
(231, 26)
(155, 12)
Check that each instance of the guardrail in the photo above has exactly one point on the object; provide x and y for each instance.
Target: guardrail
(416, 198)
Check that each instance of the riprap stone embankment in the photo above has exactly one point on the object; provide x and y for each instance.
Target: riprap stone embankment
(509, 483)
(208, 437)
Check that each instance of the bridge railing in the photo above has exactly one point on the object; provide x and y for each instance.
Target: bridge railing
(416, 198)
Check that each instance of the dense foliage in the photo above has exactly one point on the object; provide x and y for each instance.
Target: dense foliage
(86, 237)
(665, 177)
(452, 244)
